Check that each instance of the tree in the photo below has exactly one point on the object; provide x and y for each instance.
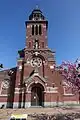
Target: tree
(71, 73)
(1, 65)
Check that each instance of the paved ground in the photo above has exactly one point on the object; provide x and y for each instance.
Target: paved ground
(6, 113)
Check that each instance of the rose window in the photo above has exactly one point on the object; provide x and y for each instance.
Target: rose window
(36, 62)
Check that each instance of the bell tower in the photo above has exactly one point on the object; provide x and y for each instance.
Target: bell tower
(36, 49)
(36, 30)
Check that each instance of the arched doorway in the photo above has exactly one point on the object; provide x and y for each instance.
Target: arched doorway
(37, 95)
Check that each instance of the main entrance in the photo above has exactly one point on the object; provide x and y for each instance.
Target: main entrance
(37, 95)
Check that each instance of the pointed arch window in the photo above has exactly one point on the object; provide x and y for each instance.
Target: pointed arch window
(32, 29)
(36, 29)
(42, 44)
(40, 30)
(29, 44)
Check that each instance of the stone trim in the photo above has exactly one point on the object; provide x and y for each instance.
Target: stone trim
(43, 91)
(28, 26)
(46, 104)
(20, 59)
(18, 92)
(46, 36)
(26, 36)
(51, 91)
(33, 83)
(44, 26)
(34, 75)
(66, 94)
(17, 88)
(3, 95)
(70, 102)
(15, 104)
(51, 104)
(27, 104)
(28, 91)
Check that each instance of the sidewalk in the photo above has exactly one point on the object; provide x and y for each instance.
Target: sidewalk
(6, 113)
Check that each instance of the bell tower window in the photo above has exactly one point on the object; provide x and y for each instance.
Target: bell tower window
(36, 30)
(32, 29)
(40, 31)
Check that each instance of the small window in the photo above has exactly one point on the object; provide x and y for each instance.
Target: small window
(29, 44)
(34, 15)
(42, 44)
(36, 30)
(32, 29)
(40, 31)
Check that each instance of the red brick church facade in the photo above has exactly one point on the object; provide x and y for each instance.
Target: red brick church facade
(35, 82)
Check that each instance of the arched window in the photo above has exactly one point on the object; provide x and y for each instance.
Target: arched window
(40, 30)
(32, 29)
(36, 30)
(42, 44)
(29, 44)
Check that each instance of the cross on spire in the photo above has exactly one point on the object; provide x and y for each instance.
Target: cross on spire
(37, 7)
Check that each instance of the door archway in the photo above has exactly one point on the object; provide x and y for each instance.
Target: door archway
(37, 95)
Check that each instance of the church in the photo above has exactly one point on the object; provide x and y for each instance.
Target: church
(35, 81)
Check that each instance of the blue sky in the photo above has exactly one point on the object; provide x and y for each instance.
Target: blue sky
(63, 28)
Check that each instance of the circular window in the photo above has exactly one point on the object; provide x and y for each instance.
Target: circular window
(5, 84)
(36, 62)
